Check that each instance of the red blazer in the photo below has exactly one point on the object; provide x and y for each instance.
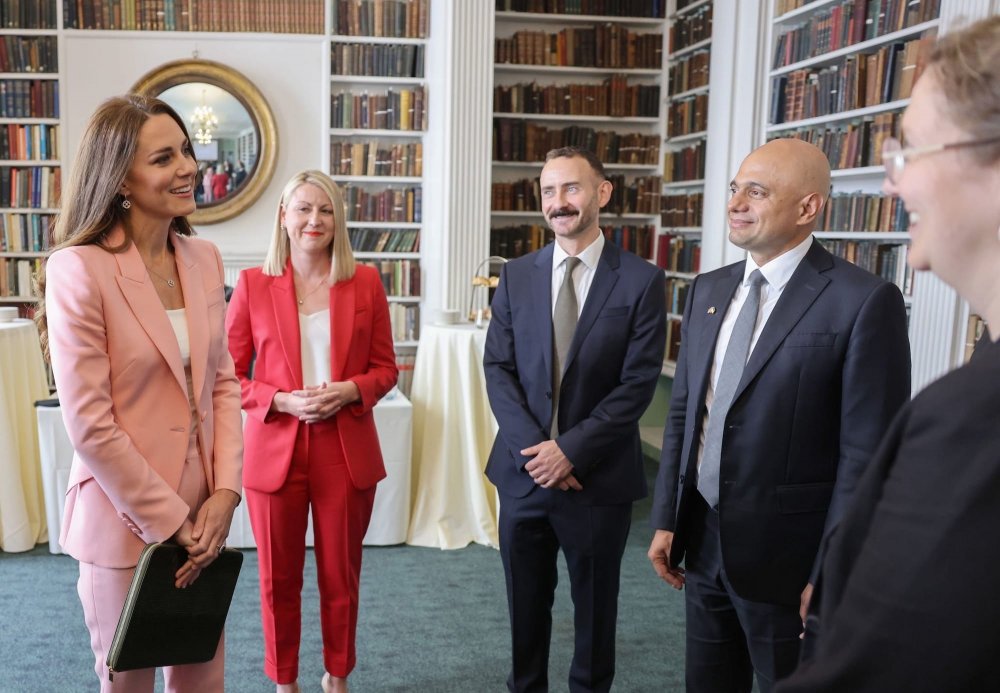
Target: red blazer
(263, 326)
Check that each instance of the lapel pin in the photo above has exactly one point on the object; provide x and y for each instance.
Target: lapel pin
(711, 311)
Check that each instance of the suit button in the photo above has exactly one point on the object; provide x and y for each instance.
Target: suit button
(204, 415)
(548, 395)
(681, 480)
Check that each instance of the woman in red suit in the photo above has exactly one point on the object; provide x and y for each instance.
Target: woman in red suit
(316, 328)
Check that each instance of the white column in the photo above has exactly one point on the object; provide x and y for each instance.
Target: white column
(457, 152)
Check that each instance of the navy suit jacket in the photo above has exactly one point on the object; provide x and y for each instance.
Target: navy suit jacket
(829, 371)
(610, 375)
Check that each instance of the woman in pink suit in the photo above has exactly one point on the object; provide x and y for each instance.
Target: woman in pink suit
(133, 321)
(316, 329)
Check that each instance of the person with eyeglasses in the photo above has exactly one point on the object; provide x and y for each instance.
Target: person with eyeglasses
(905, 600)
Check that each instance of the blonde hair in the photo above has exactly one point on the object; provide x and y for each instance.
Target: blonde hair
(341, 256)
(967, 66)
(91, 201)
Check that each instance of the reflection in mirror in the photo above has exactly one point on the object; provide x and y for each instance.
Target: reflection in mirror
(231, 127)
(224, 138)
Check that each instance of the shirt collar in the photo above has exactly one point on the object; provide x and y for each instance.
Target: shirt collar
(779, 271)
(589, 256)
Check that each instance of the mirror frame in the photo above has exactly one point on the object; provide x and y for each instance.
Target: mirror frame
(171, 74)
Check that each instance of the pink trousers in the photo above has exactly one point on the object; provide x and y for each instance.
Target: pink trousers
(102, 593)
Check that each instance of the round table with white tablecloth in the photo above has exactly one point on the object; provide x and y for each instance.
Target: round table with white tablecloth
(453, 430)
(22, 382)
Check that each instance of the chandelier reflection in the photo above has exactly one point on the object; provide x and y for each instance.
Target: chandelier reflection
(203, 122)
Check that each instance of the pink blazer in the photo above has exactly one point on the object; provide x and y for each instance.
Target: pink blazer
(123, 394)
(263, 326)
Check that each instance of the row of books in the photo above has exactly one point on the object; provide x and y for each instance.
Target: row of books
(514, 241)
(404, 320)
(404, 364)
(392, 204)
(16, 276)
(265, 16)
(859, 80)
(36, 187)
(385, 240)
(684, 164)
(389, 18)
(29, 142)
(636, 239)
(613, 97)
(852, 144)
(639, 196)
(396, 109)
(681, 210)
(677, 253)
(28, 14)
(688, 115)
(609, 46)
(690, 72)
(515, 196)
(850, 22)
(375, 158)
(673, 347)
(858, 211)
(29, 98)
(399, 277)
(887, 260)
(608, 8)
(784, 6)
(517, 140)
(677, 290)
(29, 54)
(691, 28)
(378, 59)
(25, 233)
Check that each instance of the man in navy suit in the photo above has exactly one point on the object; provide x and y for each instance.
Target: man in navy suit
(571, 364)
(828, 367)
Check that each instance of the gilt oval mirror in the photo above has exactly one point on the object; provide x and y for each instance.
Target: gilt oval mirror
(232, 129)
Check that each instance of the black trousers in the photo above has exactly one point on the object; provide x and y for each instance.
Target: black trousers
(532, 531)
(730, 638)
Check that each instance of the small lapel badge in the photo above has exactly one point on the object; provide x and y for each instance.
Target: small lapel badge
(711, 311)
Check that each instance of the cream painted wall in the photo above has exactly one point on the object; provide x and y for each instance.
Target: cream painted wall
(287, 71)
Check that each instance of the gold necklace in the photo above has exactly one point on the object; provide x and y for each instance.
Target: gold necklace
(311, 291)
(170, 282)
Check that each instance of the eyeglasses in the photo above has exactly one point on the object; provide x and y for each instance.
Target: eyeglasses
(894, 157)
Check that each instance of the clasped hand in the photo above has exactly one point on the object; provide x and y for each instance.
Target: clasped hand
(318, 402)
(204, 538)
(550, 467)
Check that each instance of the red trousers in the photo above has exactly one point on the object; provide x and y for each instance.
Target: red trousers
(318, 477)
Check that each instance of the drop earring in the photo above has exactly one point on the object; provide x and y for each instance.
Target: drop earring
(126, 204)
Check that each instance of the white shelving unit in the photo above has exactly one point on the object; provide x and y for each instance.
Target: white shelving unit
(28, 155)
(532, 232)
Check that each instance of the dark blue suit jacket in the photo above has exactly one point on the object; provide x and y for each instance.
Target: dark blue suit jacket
(609, 379)
(829, 371)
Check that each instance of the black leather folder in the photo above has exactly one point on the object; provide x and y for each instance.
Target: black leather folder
(162, 625)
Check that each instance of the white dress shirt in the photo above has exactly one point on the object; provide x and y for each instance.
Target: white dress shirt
(776, 273)
(583, 277)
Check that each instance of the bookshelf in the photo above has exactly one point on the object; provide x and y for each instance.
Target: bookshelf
(685, 144)
(841, 79)
(378, 121)
(587, 77)
(29, 144)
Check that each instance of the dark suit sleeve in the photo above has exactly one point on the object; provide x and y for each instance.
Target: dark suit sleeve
(875, 385)
(664, 508)
(519, 428)
(588, 441)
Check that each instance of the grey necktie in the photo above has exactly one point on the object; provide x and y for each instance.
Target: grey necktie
(564, 319)
(729, 377)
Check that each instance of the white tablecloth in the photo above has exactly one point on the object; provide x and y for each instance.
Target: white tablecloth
(453, 501)
(22, 382)
(390, 516)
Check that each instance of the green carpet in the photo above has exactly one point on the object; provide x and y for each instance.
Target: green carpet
(430, 620)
